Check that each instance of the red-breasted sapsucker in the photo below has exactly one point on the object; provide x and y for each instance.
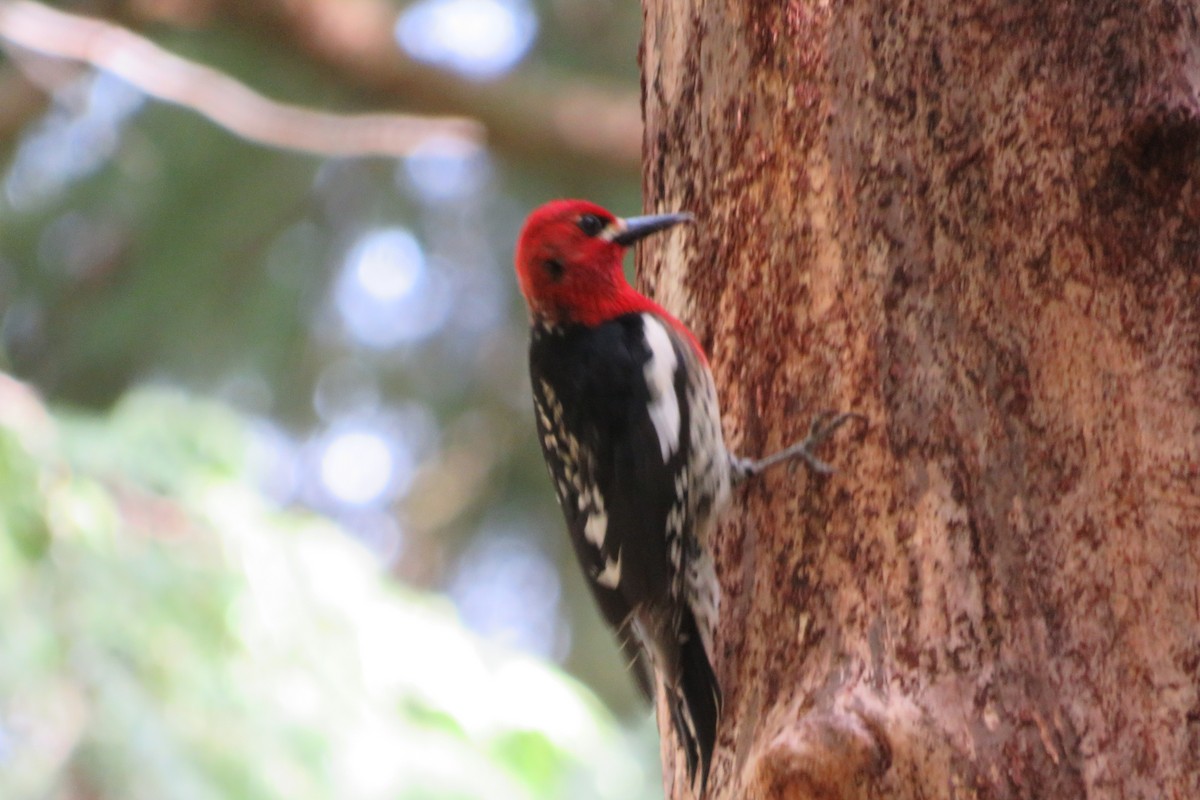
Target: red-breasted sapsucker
(627, 415)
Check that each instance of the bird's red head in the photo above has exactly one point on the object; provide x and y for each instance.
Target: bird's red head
(569, 261)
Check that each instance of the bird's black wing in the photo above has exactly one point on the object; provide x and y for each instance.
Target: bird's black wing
(605, 457)
(614, 421)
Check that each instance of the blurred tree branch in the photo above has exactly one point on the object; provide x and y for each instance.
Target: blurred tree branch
(529, 115)
(217, 96)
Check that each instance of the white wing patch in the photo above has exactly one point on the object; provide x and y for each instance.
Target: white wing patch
(660, 378)
(611, 576)
(596, 527)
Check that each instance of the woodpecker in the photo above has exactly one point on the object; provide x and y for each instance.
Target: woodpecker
(626, 412)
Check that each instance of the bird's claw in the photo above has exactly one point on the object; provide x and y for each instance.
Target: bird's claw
(826, 423)
(823, 426)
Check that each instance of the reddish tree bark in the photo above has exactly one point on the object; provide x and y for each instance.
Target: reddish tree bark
(978, 224)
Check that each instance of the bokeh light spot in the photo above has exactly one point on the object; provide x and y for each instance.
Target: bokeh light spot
(443, 170)
(508, 590)
(77, 136)
(479, 38)
(388, 263)
(357, 467)
(386, 295)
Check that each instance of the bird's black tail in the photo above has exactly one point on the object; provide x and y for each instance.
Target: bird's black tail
(695, 703)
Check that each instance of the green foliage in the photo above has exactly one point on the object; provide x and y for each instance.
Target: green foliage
(169, 634)
(139, 241)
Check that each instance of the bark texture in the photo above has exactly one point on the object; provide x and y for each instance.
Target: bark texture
(978, 224)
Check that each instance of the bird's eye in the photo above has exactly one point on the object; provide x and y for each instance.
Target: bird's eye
(555, 269)
(590, 224)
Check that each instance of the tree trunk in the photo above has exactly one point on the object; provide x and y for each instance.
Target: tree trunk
(977, 224)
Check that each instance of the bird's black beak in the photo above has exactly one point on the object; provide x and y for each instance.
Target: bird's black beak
(631, 229)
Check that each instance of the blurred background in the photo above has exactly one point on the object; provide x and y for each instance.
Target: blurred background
(273, 521)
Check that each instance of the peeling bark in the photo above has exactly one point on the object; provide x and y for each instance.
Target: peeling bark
(978, 224)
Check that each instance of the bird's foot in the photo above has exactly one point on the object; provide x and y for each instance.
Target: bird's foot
(824, 425)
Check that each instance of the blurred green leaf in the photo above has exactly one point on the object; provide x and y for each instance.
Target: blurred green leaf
(183, 255)
(178, 637)
(20, 512)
